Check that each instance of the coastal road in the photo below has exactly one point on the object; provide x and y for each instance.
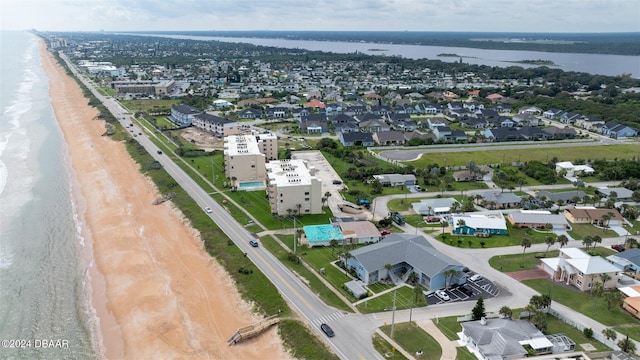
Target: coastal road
(353, 338)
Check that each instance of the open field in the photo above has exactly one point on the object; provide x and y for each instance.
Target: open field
(543, 152)
(413, 339)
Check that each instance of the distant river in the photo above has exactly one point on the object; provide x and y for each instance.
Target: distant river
(589, 63)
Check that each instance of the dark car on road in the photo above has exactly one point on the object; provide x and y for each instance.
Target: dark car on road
(327, 330)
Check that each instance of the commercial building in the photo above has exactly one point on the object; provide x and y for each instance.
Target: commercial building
(216, 125)
(292, 188)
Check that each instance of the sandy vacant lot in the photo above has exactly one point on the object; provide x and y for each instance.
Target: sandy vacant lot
(159, 295)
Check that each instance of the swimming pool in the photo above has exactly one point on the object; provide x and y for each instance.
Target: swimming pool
(251, 184)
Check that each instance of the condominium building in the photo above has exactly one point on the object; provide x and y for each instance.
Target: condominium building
(216, 125)
(268, 145)
(243, 161)
(292, 188)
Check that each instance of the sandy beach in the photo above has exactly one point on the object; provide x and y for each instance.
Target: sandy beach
(157, 293)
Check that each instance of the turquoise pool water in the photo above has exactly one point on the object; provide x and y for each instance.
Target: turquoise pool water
(251, 184)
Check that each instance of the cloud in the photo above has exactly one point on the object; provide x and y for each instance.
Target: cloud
(417, 15)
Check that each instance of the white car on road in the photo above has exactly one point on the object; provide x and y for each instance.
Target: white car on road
(208, 210)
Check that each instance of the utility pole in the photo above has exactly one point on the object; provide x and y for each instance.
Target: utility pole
(393, 314)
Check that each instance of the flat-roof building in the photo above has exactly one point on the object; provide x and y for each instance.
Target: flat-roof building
(243, 161)
(292, 188)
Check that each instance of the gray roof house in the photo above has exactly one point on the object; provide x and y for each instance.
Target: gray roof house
(396, 179)
(406, 254)
(628, 260)
(437, 206)
(501, 199)
(499, 339)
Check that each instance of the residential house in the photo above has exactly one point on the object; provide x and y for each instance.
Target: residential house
(552, 114)
(569, 117)
(442, 133)
(356, 139)
(276, 112)
(250, 113)
(394, 180)
(627, 261)
(406, 254)
(392, 137)
(617, 193)
(594, 216)
(373, 125)
(589, 122)
(568, 197)
(344, 123)
(493, 199)
(314, 124)
(618, 131)
(576, 267)
(524, 119)
(358, 231)
(436, 206)
(506, 339)
(432, 123)
(478, 224)
(573, 170)
(531, 110)
(631, 302)
(560, 133)
(458, 135)
(537, 219)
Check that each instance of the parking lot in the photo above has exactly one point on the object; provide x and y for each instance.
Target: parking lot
(469, 291)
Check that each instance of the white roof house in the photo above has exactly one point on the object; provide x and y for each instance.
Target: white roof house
(572, 170)
(575, 267)
(438, 206)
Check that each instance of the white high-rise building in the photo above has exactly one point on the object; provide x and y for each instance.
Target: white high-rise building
(292, 188)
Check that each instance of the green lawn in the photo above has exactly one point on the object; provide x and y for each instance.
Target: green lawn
(495, 155)
(413, 338)
(449, 326)
(516, 262)
(634, 331)
(308, 346)
(314, 283)
(579, 231)
(404, 300)
(581, 302)
(379, 287)
(385, 349)
(149, 105)
(557, 326)
(464, 354)
(515, 236)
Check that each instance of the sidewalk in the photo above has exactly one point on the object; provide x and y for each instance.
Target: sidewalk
(449, 351)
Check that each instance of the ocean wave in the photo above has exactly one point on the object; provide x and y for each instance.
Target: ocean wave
(6, 257)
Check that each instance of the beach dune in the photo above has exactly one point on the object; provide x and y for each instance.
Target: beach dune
(157, 293)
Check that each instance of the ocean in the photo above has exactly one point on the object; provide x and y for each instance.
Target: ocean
(45, 262)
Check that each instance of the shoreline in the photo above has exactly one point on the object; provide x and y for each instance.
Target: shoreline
(155, 291)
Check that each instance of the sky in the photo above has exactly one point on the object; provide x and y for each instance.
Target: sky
(359, 15)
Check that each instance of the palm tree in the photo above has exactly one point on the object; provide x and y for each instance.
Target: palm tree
(587, 241)
(413, 278)
(298, 207)
(345, 257)
(449, 274)
(326, 197)
(505, 312)
(388, 267)
(444, 223)
(562, 240)
(333, 243)
(525, 243)
(417, 291)
(461, 223)
(604, 277)
(596, 290)
(549, 240)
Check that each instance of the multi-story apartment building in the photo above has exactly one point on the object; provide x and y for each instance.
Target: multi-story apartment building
(268, 145)
(216, 125)
(243, 161)
(292, 188)
(183, 115)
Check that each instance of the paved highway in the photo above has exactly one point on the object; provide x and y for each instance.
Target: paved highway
(350, 341)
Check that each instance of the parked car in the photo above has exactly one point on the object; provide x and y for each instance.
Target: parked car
(385, 232)
(618, 248)
(475, 277)
(327, 330)
(253, 243)
(442, 295)
(336, 182)
(465, 290)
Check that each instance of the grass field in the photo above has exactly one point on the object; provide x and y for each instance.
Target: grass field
(405, 299)
(583, 303)
(413, 338)
(385, 349)
(543, 152)
(516, 235)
